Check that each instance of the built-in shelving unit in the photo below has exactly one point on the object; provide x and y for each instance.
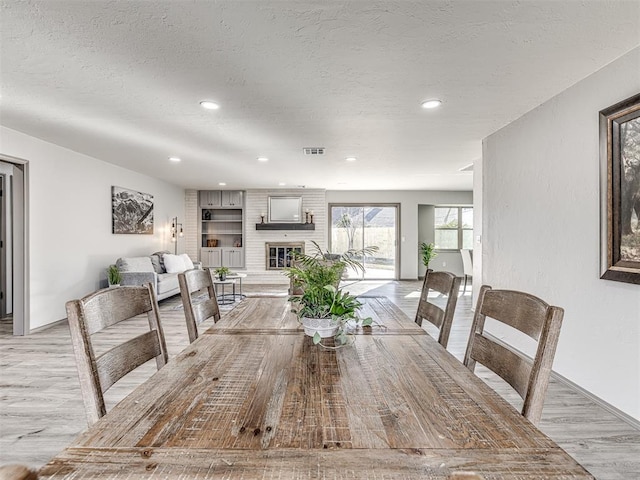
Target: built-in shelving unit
(221, 228)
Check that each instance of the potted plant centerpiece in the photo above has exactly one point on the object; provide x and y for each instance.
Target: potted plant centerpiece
(323, 308)
(222, 273)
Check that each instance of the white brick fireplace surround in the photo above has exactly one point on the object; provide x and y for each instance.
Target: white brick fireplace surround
(255, 203)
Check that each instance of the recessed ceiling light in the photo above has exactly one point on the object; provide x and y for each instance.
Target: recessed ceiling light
(263, 159)
(350, 159)
(282, 184)
(222, 184)
(431, 103)
(175, 159)
(209, 105)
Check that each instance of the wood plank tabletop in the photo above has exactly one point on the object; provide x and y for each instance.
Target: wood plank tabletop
(273, 315)
(273, 405)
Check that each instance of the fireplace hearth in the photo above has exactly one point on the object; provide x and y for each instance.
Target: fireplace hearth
(278, 254)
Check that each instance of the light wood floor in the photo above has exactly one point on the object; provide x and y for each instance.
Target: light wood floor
(41, 409)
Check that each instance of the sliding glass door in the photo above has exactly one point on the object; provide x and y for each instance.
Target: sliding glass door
(357, 226)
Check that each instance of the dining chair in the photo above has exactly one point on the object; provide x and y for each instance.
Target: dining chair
(445, 283)
(467, 267)
(531, 316)
(197, 310)
(103, 309)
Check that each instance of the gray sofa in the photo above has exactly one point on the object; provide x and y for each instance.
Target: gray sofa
(149, 269)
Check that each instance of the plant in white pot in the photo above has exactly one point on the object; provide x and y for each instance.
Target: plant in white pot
(324, 309)
(113, 276)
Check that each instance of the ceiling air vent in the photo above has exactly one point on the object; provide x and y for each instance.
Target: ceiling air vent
(313, 150)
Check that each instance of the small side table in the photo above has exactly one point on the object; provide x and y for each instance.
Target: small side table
(239, 277)
(225, 298)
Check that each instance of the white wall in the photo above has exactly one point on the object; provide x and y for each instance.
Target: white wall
(71, 242)
(409, 201)
(541, 231)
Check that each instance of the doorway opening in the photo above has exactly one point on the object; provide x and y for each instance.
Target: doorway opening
(355, 226)
(14, 311)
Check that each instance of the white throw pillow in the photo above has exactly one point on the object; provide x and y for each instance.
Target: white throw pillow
(187, 261)
(173, 263)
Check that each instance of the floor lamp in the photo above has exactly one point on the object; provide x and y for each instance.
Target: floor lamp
(176, 231)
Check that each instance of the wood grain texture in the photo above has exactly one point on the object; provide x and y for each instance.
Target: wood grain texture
(445, 283)
(272, 315)
(195, 312)
(41, 409)
(364, 464)
(102, 309)
(531, 316)
(229, 395)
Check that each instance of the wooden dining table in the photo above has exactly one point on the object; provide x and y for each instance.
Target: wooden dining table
(253, 397)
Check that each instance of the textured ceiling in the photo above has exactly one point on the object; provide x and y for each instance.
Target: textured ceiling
(121, 81)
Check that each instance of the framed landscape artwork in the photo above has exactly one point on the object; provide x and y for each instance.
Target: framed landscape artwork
(620, 191)
(132, 212)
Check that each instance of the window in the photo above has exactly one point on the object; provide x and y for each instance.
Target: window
(453, 228)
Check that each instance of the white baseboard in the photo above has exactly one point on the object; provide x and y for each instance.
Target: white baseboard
(625, 417)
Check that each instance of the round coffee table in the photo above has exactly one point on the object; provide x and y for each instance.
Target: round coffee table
(222, 297)
(239, 277)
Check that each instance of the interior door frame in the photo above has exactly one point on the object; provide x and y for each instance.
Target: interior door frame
(20, 242)
(397, 263)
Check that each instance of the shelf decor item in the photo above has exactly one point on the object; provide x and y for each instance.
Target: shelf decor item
(620, 191)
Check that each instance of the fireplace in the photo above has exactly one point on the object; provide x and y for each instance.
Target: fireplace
(278, 254)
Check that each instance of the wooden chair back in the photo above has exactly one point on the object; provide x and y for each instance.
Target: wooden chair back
(535, 318)
(98, 311)
(447, 284)
(197, 311)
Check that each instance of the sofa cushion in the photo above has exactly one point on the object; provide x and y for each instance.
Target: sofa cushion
(157, 265)
(160, 255)
(174, 263)
(167, 282)
(187, 261)
(135, 264)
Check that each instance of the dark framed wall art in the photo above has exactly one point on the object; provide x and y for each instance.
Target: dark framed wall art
(620, 191)
(132, 212)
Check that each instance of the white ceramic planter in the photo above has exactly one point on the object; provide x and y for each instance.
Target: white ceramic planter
(324, 326)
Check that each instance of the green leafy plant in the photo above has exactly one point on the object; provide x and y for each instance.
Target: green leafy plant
(113, 275)
(428, 252)
(318, 276)
(222, 272)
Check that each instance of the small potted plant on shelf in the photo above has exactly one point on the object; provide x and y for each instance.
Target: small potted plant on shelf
(222, 273)
(323, 308)
(113, 276)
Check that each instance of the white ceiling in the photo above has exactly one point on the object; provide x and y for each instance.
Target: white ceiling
(121, 81)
